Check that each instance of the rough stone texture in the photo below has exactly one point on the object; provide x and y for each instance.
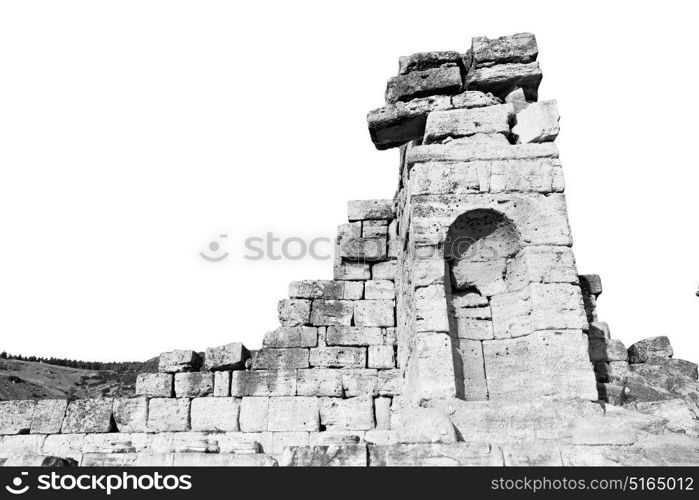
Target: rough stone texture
(319, 382)
(215, 414)
(437, 454)
(347, 414)
(325, 456)
(280, 359)
(332, 312)
(363, 249)
(290, 336)
(428, 60)
(294, 312)
(384, 270)
(48, 416)
(192, 385)
(654, 347)
(502, 78)
(254, 414)
(338, 357)
(346, 270)
(130, 414)
(179, 361)
(425, 425)
(370, 210)
(382, 413)
(226, 357)
(443, 80)
(360, 382)
(607, 350)
(374, 313)
(293, 414)
(465, 122)
(16, 416)
(263, 383)
(354, 336)
(88, 415)
(325, 289)
(381, 356)
(538, 122)
(379, 290)
(517, 48)
(168, 415)
(155, 384)
(222, 384)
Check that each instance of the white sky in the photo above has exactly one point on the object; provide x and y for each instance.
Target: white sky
(132, 133)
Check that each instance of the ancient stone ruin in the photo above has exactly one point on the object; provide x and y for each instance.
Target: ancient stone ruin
(456, 330)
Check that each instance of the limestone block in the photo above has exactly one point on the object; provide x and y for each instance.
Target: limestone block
(325, 289)
(390, 336)
(291, 336)
(487, 276)
(346, 270)
(599, 330)
(428, 60)
(88, 415)
(374, 229)
(155, 384)
(336, 438)
(294, 312)
(542, 265)
(223, 460)
(379, 290)
(435, 454)
(456, 123)
(542, 175)
(215, 414)
(354, 336)
(48, 416)
(325, 456)
(381, 437)
(591, 284)
(538, 122)
(532, 455)
(473, 328)
(390, 382)
(319, 382)
(179, 361)
(226, 357)
(348, 414)
(279, 441)
(654, 382)
(332, 312)
(543, 364)
(382, 357)
(607, 350)
(654, 347)
(16, 416)
(61, 445)
(447, 178)
(25, 461)
(428, 272)
(21, 445)
(374, 313)
(338, 357)
(360, 382)
(473, 370)
(263, 383)
(479, 151)
(430, 373)
(349, 230)
(431, 309)
(517, 48)
(384, 270)
(680, 416)
(192, 385)
(168, 414)
(444, 80)
(517, 99)
(280, 359)
(611, 371)
(382, 411)
(501, 78)
(298, 413)
(222, 384)
(474, 99)
(254, 412)
(370, 210)
(130, 414)
(363, 249)
(679, 366)
(425, 425)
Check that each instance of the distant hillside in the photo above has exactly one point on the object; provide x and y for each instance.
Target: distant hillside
(37, 380)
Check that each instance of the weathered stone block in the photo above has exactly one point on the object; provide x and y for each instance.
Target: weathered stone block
(374, 313)
(298, 413)
(654, 347)
(430, 373)
(686, 368)
(538, 122)
(348, 414)
(390, 382)
(487, 276)
(363, 249)
(381, 357)
(292, 336)
(473, 370)
(16, 416)
(370, 210)
(338, 357)
(193, 385)
(502, 78)
(435, 454)
(425, 425)
(130, 414)
(294, 312)
(332, 312)
(215, 414)
(325, 289)
(607, 350)
(155, 384)
(384, 270)
(21, 445)
(465, 122)
(374, 229)
(431, 310)
(428, 60)
(319, 382)
(382, 411)
(379, 290)
(354, 336)
(325, 456)
(444, 80)
(280, 359)
(591, 284)
(62, 445)
(48, 416)
(277, 442)
(168, 415)
(517, 48)
(88, 415)
(360, 382)
(179, 361)
(222, 384)
(263, 383)
(226, 357)
(254, 412)
(347, 270)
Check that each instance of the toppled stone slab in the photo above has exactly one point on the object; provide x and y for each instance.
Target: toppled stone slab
(326, 289)
(88, 415)
(428, 60)
(654, 347)
(16, 416)
(155, 384)
(226, 357)
(442, 80)
(347, 414)
(263, 383)
(168, 415)
(370, 210)
(131, 414)
(291, 336)
(215, 414)
(179, 361)
(465, 122)
(193, 385)
(293, 414)
(280, 359)
(48, 416)
(325, 456)
(502, 78)
(294, 312)
(538, 122)
(517, 48)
